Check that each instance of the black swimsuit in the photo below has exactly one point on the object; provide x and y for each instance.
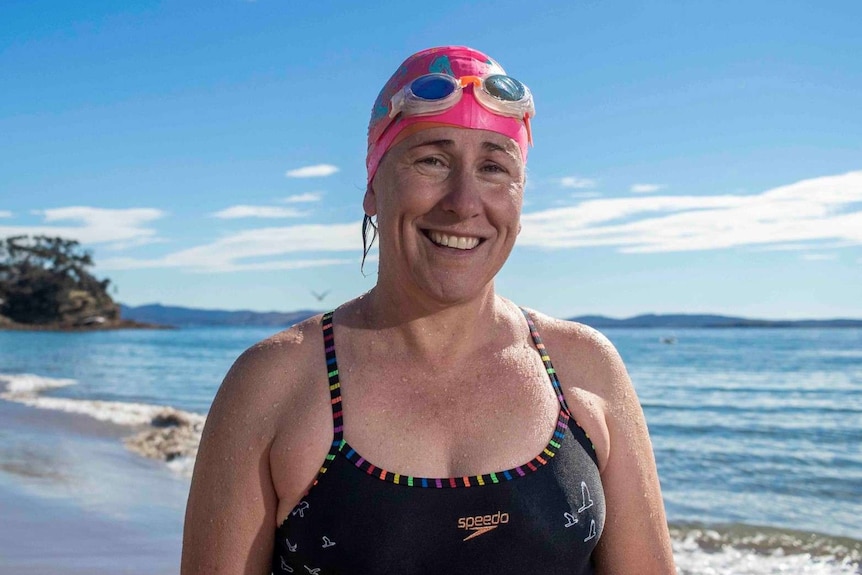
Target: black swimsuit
(543, 517)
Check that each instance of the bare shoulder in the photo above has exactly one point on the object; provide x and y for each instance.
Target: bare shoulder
(267, 386)
(593, 378)
(270, 376)
(591, 360)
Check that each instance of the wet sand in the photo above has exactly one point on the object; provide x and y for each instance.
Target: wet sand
(74, 500)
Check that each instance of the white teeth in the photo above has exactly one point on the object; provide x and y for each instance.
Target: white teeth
(460, 243)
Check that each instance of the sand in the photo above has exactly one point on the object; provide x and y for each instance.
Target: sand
(74, 500)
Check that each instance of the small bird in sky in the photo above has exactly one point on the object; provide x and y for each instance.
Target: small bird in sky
(319, 296)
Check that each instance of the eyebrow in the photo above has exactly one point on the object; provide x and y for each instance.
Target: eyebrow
(441, 143)
(490, 146)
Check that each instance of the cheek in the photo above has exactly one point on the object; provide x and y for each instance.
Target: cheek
(514, 206)
(398, 206)
(516, 196)
(409, 197)
(518, 192)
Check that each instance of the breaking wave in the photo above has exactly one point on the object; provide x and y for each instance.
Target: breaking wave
(159, 432)
(756, 550)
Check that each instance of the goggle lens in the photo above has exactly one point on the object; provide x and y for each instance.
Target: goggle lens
(432, 87)
(505, 88)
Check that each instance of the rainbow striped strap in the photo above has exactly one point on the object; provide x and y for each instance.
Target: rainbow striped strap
(546, 359)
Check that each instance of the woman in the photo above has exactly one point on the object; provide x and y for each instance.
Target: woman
(438, 439)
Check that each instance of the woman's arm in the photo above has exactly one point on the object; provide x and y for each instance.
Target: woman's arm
(598, 389)
(230, 517)
(635, 537)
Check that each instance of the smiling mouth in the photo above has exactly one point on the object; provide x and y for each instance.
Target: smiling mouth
(456, 242)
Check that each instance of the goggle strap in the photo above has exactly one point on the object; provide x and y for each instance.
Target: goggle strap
(464, 81)
(395, 104)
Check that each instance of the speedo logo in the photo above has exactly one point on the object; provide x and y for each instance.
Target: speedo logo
(481, 524)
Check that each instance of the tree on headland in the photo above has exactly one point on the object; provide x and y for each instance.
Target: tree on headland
(45, 280)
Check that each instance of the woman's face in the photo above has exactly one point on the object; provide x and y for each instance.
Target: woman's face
(448, 206)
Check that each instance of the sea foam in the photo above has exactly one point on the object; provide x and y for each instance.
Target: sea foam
(757, 550)
(161, 432)
(26, 384)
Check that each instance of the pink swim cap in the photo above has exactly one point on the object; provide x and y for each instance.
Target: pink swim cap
(456, 61)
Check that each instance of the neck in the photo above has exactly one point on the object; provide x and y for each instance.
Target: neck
(434, 331)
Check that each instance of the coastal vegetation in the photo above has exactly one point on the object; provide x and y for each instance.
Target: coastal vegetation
(45, 282)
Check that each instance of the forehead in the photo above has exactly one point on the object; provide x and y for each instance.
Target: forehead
(456, 137)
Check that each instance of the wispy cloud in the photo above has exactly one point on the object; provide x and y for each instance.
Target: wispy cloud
(260, 249)
(814, 210)
(117, 228)
(646, 188)
(577, 183)
(585, 195)
(806, 246)
(5, 214)
(114, 264)
(818, 257)
(316, 171)
(235, 212)
(270, 248)
(303, 198)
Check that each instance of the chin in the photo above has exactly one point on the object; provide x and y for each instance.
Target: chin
(448, 292)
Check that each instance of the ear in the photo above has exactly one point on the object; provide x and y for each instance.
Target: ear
(369, 202)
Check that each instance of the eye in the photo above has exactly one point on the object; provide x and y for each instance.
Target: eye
(494, 168)
(432, 161)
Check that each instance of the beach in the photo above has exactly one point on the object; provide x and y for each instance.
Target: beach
(58, 515)
(757, 436)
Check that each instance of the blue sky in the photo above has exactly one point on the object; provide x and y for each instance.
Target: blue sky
(689, 156)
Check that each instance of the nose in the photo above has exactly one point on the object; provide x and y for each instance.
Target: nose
(463, 197)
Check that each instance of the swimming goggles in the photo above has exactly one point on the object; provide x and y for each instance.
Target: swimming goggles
(433, 93)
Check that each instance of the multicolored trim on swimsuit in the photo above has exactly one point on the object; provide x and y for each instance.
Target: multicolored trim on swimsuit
(546, 359)
(340, 445)
(552, 373)
(467, 481)
(334, 394)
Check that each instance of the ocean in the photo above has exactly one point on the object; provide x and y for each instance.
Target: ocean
(757, 435)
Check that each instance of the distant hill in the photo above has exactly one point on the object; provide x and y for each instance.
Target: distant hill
(682, 321)
(184, 316)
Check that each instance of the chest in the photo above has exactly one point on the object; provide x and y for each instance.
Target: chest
(449, 420)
